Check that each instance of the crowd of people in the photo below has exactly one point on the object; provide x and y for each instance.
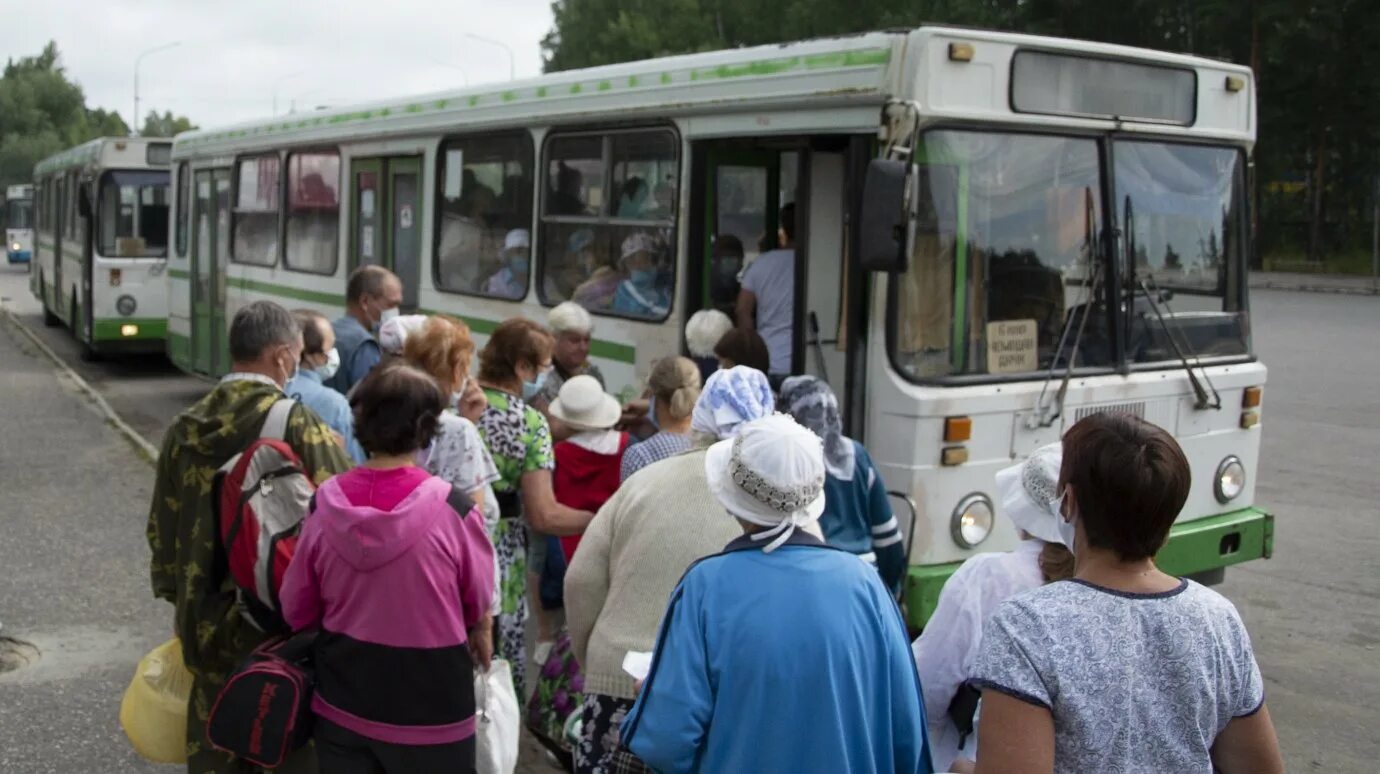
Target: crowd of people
(722, 523)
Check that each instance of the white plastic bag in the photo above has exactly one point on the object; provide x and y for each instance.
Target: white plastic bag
(497, 723)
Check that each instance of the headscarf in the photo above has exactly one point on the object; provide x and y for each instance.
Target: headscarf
(770, 474)
(730, 398)
(814, 405)
(1027, 493)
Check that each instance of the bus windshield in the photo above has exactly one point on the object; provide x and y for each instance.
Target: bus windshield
(1008, 255)
(19, 213)
(133, 215)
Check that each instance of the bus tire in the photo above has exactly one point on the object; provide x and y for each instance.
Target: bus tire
(50, 319)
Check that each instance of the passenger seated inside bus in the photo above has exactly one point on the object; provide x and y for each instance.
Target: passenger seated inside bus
(510, 281)
(634, 201)
(562, 276)
(645, 292)
(566, 199)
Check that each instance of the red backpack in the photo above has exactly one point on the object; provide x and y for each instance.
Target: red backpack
(260, 497)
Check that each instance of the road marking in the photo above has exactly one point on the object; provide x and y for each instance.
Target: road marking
(148, 450)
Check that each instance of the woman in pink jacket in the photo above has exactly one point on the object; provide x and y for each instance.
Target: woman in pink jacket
(396, 570)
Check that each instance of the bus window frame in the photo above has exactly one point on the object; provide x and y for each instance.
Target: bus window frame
(182, 202)
(438, 211)
(285, 206)
(234, 206)
(98, 184)
(606, 133)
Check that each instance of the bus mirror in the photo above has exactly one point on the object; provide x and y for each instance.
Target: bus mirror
(882, 240)
(83, 202)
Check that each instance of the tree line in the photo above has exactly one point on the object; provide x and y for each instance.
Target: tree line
(1317, 69)
(42, 112)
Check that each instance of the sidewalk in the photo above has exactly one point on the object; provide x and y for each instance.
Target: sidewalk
(1315, 283)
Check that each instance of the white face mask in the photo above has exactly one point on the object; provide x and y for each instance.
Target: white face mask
(1065, 526)
(388, 314)
(327, 369)
(458, 395)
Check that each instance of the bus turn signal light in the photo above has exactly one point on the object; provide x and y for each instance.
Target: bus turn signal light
(1250, 397)
(958, 429)
(954, 455)
(960, 52)
(1249, 419)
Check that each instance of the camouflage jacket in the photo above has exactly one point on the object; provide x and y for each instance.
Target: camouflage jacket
(186, 568)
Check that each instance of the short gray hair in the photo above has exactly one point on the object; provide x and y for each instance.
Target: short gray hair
(257, 327)
(569, 317)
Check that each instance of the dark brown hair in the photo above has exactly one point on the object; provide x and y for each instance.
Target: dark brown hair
(396, 409)
(515, 341)
(1130, 481)
(745, 348)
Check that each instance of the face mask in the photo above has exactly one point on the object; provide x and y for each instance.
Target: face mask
(291, 370)
(518, 264)
(327, 369)
(1065, 526)
(651, 413)
(530, 389)
(455, 397)
(643, 276)
(388, 314)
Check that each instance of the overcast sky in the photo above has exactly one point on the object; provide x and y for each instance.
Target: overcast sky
(232, 55)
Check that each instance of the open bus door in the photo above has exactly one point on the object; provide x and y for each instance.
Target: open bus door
(386, 199)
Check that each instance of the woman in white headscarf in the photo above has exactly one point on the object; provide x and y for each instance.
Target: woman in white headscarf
(779, 653)
(947, 651)
(857, 514)
(660, 521)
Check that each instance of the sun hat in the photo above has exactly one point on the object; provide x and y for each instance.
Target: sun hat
(583, 405)
(579, 240)
(1027, 492)
(393, 333)
(518, 238)
(638, 243)
(771, 473)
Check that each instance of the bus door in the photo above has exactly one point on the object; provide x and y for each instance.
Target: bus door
(386, 200)
(210, 251)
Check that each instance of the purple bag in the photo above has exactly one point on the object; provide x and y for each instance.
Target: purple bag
(263, 713)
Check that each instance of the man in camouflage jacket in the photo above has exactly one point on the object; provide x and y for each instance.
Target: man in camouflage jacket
(188, 568)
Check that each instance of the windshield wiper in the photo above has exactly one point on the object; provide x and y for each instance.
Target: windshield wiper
(1199, 390)
(1045, 416)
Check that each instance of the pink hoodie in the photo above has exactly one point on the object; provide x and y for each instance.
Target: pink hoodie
(393, 591)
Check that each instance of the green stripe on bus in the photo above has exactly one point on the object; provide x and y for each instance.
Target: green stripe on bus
(179, 349)
(149, 328)
(601, 348)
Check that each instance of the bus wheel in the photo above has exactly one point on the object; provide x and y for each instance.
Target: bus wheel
(49, 319)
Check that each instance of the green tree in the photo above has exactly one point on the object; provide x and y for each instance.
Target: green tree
(165, 124)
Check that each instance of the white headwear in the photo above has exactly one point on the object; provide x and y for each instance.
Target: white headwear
(704, 330)
(583, 405)
(730, 398)
(569, 316)
(517, 239)
(770, 474)
(393, 333)
(638, 243)
(1027, 492)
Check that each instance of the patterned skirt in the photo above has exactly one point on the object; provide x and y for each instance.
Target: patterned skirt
(510, 543)
(600, 751)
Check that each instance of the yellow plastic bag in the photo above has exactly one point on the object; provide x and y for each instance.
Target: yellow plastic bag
(153, 712)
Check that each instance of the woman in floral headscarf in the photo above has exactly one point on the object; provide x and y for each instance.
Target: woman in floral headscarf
(857, 515)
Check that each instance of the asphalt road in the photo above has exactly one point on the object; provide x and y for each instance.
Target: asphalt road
(75, 561)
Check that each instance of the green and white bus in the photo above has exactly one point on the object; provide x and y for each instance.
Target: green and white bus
(101, 247)
(996, 235)
(19, 223)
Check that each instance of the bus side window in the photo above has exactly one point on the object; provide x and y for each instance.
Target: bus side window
(483, 239)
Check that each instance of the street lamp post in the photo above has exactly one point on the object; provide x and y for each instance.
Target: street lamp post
(512, 63)
(279, 82)
(134, 120)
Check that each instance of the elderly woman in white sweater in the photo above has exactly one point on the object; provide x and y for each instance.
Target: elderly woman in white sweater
(635, 551)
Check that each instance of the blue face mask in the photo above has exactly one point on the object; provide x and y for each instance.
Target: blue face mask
(651, 414)
(643, 276)
(518, 264)
(530, 389)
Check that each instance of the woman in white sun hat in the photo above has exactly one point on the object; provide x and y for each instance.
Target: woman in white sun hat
(948, 649)
(779, 653)
(588, 462)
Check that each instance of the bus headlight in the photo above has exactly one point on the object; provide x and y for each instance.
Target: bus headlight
(14, 246)
(972, 520)
(126, 305)
(1230, 480)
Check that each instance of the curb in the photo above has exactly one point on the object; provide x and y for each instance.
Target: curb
(148, 450)
(1343, 290)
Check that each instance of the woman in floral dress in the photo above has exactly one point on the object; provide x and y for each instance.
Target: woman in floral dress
(512, 366)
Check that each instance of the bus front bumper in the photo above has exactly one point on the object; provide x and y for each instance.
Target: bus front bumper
(18, 256)
(1194, 546)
